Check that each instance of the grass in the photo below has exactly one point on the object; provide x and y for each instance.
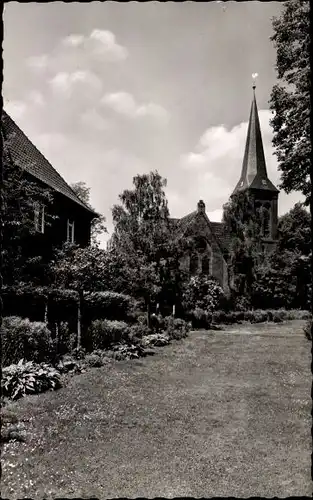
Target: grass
(217, 414)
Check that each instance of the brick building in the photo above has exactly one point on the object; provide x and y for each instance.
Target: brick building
(73, 223)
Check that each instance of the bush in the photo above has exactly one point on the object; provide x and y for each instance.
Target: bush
(109, 305)
(22, 338)
(155, 339)
(103, 333)
(203, 292)
(200, 318)
(137, 331)
(93, 360)
(308, 329)
(176, 328)
(28, 378)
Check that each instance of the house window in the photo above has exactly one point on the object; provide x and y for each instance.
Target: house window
(39, 218)
(70, 231)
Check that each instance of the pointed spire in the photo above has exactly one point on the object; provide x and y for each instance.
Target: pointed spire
(253, 172)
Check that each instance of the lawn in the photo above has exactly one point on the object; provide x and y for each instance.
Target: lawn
(221, 413)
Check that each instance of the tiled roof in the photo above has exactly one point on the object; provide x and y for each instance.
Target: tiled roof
(222, 238)
(25, 155)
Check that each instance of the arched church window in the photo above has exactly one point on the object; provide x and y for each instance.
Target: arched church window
(206, 264)
(194, 262)
(200, 244)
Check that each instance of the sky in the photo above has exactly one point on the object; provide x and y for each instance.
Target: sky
(110, 90)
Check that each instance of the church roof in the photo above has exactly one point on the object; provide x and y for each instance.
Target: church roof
(217, 228)
(253, 172)
(25, 155)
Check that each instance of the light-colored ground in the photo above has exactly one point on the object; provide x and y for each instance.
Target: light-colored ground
(216, 414)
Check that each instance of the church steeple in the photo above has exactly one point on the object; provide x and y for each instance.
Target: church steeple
(253, 172)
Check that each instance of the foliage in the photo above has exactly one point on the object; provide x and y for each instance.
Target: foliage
(290, 98)
(244, 225)
(143, 239)
(21, 197)
(203, 292)
(28, 378)
(155, 339)
(93, 360)
(22, 338)
(137, 331)
(109, 305)
(284, 279)
(259, 316)
(308, 329)
(176, 328)
(103, 333)
(98, 223)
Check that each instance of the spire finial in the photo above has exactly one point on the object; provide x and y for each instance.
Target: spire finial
(254, 77)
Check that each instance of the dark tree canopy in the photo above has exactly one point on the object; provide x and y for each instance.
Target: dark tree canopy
(98, 223)
(290, 98)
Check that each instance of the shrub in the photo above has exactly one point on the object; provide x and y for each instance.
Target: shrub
(28, 378)
(93, 360)
(203, 292)
(109, 305)
(137, 331)
(200, 318)
(155, 339)
(22, 338)
(103, 333)
(176, 328)
(308, 329)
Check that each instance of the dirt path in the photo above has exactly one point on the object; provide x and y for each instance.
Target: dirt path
(217, 414)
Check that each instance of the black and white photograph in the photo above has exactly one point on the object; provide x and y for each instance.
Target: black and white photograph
(156, 250)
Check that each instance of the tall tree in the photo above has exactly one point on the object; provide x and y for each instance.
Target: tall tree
(290, 98)
(143, 235)
(98, 223)
(244, 226)
(284, 279)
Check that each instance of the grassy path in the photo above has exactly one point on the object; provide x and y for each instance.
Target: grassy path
(217, 414)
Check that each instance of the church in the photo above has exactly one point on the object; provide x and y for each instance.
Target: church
(209, 250)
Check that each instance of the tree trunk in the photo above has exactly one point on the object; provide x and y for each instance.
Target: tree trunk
(148, 313)
(79, 319)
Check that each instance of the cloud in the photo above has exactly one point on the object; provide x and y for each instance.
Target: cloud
(38, 63)
(77, 51)
(65, 82)
(16, 109)
(36, 98)
(124, 103)
(92, 119)
(103, 43)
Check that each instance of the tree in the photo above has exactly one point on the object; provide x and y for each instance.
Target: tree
(243, 224)
(98, 223)
(290, 98)
(284, 279)
(143, 237)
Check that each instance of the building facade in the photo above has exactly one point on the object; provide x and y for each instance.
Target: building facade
(73, 217)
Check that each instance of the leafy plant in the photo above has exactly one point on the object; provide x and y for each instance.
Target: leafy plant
(28, 378)
(103, 333)
(176, 328)
(22, 338)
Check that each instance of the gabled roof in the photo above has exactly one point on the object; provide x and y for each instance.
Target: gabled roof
(217, 228)
(253, 172)
(25, 155)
